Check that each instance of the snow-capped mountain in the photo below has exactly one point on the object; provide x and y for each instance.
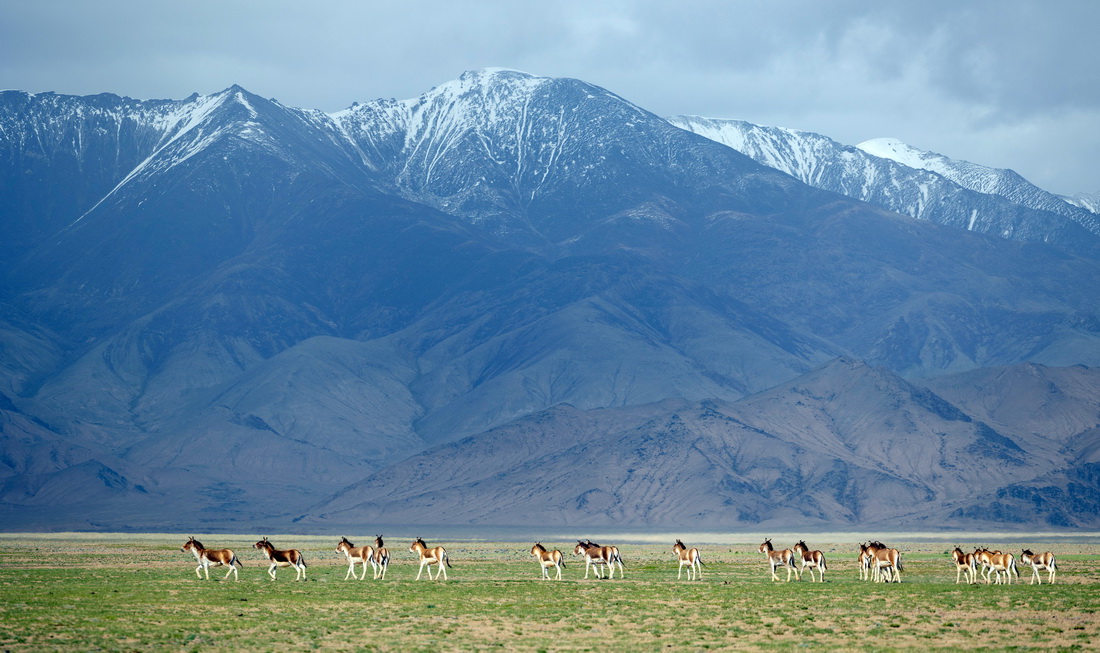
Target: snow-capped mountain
(217, 305)
(510, 150)
(900, 178)
(1087, 201)
(983, 179)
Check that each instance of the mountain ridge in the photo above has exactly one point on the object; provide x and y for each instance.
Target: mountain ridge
(924, 185)
(259, 301)
(823, 478)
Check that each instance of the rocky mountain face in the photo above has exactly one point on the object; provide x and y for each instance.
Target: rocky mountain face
(1050, 412)
(924, 185)
(843, 445)
(983, 179)
(220, 311)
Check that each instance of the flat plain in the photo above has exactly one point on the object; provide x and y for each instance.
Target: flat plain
(114, 591)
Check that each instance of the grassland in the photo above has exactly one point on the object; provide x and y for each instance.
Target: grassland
(139, 592)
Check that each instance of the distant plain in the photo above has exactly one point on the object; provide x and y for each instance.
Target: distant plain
(116, 591)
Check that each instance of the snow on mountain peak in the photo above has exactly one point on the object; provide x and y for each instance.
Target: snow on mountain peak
(902, 178)
(521, 125)
(1087, 201)
(486, 78)
(903, 153)
(983, 179)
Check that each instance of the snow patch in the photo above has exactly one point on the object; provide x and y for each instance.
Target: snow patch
(174, 124)
(907, 155)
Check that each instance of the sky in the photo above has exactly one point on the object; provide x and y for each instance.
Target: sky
(1004, 83)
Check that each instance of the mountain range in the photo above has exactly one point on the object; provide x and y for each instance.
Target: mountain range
(517, 297)
(925, 185)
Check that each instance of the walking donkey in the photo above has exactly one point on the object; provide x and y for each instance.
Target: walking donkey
(995, 562)
(784, 558)
(1039, 561)
(277, 558)
(548, 559)
(614, 559)
(428, 557)
(356, 554)
(596, 556)
(381, 561)
(810, 560)
(689, 557)
(966, 566)
(208, 558)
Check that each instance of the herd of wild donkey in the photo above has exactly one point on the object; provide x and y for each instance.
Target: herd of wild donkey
(876, 561)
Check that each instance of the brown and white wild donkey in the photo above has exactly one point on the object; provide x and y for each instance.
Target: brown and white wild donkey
(996, 563)
(689, 557)
(784, 558)
(208, 558)
(1040, 561)
(596, 556)
(966, 565)
(810, 560)
(381, 561)
(865, 561)
(548, 559)
(428, 557)
(356, 555)
(614, 558)
(886, 564)
(277, 558)
(878, 562)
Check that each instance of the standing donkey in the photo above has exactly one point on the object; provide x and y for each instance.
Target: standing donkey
(689, 557)
(381, 561)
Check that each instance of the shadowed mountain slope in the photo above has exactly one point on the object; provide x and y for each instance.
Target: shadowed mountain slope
(845, 444)
(243, 307)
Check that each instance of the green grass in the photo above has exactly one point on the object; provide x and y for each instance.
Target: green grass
(123, 592)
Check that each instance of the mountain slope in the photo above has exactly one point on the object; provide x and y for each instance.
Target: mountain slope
(929, 187)
(982, 179)
(260, 305)
(844, 444)
(535, 157)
